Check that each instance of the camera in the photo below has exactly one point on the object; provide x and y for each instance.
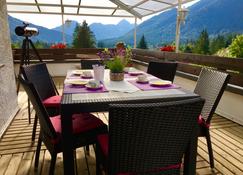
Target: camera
(26, 31)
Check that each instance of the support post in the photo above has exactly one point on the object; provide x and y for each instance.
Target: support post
(178, 26)
(135, 34)
(63, 30)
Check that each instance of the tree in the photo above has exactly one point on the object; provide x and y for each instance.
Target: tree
(217, 43)
(202, 44)
(142, 43)
(236, 48)
(83, 37)
(188, 48)
(101, 44)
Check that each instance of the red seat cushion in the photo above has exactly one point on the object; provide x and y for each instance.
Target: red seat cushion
(103, 141)
(81, 123)
(201, 121)
(53, 101)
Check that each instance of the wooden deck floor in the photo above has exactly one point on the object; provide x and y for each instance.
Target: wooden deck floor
(17, 152)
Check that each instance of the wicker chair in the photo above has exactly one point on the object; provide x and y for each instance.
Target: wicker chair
(210, 86)
(163, 70)
(148, 138)
(86, 127)
(38, 74)
(87, 63)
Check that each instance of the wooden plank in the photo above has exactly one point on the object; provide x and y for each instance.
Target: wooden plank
(219, 139)
(59, 165)
(25, 163)
(46, 163)
(14, 164)
(235, 137)
(4, 161)
(217, 164)
(32, 168)
(223, 158)
(227, 153)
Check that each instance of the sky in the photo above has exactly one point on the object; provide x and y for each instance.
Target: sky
(51, 21)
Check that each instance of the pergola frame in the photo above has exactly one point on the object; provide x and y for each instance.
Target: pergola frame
(128, 9)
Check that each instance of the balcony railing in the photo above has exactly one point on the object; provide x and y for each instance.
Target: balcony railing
(189, 64)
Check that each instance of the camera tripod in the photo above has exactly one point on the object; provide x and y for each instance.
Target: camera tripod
(25, 60)
(26, 56)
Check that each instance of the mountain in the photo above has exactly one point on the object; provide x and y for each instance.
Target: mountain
(107, 31)
(101, 31)
(45, 34)
(217, 16)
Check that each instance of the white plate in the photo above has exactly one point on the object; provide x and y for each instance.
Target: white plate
(77, 72)
(160, 83)
(93, 88)
(77, 82)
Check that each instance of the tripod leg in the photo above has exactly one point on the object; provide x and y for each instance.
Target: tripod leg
(29, 113)
(34, 49)
(22, 61)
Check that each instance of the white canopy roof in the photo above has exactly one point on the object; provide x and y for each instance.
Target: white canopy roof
(109, 8)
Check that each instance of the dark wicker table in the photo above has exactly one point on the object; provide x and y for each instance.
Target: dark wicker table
(98, 102)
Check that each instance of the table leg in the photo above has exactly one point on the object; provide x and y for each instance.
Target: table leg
(68, 159)
(190, 158)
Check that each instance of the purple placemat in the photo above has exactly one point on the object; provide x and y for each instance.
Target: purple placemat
(147, 86)
(70, 89)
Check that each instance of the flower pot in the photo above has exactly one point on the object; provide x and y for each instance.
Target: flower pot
(116, 76)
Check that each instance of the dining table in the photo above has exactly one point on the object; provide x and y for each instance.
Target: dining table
(77, 99)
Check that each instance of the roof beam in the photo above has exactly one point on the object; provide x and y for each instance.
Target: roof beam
(58, 5)
(114, 11)
(163, 2)
(125, 7)
(145, 9)
(136, 5)
(37, 6)
(169, 7)
(79, 3)
(71, 14)
(62, 8)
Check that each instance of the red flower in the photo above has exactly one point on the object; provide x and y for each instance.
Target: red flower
(168, 48)
(58, 46)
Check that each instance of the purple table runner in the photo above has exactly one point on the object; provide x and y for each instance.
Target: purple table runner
(148, 87)
(71, 89)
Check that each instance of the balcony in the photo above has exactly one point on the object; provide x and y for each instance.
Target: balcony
(17, 150)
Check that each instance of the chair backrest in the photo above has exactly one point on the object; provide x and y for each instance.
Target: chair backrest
(150, 137)
(163, 70)
(45, 123)
(87, 63)
(38, 75)
(210, 86)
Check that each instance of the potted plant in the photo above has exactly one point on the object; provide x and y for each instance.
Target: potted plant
(116, 60)
(116, 67)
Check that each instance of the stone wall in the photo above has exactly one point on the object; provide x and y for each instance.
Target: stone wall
(8, 96)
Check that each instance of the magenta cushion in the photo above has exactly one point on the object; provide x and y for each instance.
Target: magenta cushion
(103, 141)
(53, 101)
(201, 121)
(81, 123)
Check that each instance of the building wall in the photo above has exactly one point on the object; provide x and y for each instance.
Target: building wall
(8, 96)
